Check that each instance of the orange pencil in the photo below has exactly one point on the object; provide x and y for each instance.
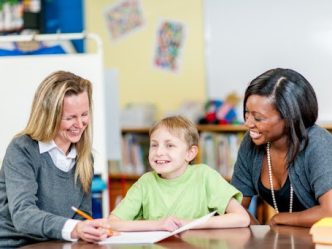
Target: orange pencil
(88, 217)
(84, 215)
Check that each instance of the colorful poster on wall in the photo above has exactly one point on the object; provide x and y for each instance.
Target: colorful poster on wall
(169, 44)
(123, 18)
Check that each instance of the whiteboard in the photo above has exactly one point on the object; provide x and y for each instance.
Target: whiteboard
(20, 77)
(245, 38)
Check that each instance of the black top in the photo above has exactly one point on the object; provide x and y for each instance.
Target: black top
(282, 196)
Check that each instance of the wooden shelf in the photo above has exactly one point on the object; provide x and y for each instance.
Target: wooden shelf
(222, 128)
(326, 126)
(118, 185)
(123, 176)
(143, 130)
(212, 128)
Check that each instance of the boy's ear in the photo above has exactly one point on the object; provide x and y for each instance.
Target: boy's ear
(192, 153)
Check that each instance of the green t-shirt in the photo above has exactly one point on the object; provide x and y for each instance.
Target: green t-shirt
(197, 192)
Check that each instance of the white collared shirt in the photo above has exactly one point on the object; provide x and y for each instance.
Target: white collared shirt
(60, 159)
(65, 163)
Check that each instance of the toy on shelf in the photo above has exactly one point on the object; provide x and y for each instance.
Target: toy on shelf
(221, 112)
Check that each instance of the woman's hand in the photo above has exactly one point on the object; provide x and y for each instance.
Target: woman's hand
(91, 230)
(273, 220)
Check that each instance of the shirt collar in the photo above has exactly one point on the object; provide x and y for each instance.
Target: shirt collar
(48, 146)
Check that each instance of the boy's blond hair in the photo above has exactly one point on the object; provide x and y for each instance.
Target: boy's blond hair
(181, 127)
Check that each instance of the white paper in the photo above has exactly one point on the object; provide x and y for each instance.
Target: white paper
(152, 236)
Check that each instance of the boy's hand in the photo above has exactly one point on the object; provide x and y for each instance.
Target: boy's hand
(169, 224)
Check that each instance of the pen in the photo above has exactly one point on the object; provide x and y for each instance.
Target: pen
(88, 217)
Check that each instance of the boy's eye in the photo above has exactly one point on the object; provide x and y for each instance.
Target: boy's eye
(170, 145)
(153, 145)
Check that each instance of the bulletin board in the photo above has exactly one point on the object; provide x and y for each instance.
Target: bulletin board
(20, 77)
(245, 38)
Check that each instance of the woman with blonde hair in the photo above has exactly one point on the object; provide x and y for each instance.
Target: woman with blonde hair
(48, 167)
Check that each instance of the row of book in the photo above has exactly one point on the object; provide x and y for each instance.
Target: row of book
(135, 150)
(219, 151)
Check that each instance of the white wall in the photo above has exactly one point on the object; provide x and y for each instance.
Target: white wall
(245, 38)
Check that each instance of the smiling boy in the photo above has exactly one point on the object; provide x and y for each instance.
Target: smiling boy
(176, 192)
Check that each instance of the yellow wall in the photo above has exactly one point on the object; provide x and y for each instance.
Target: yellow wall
(133, 55)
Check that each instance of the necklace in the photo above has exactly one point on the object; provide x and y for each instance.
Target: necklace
(269, 164)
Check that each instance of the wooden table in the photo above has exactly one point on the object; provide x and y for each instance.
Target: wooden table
(255, 237)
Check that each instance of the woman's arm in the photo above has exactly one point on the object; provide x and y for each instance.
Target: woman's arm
(167, 224)
(307, 217)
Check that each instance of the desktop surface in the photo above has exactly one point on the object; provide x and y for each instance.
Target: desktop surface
(254, 237)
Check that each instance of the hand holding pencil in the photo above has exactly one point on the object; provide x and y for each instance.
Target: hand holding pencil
(88, 217)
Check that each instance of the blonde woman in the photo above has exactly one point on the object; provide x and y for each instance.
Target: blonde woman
(48, 167)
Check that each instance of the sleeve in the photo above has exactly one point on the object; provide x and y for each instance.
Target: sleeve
(220, 192)
(319, 163)
(130, 208)
(242, 175)
(21, 189)
(68, 228)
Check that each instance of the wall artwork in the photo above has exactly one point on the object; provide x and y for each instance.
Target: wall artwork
(123, 18)
(169, 44)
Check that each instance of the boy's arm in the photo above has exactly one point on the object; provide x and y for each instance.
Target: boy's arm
(245, 203)
(235, 216)
(167, 224)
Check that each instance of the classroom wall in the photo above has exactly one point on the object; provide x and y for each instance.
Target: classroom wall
(246, 38)
(132, 56)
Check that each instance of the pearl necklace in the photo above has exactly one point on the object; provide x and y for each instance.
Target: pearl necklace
(268, 154)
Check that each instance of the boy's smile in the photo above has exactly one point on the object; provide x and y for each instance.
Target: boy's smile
(161, 162)
(169, 154)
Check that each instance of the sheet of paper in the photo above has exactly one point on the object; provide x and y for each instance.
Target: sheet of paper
(194, 223)
(152, 236)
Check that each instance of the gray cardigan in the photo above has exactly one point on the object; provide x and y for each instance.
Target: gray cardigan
(35, 196)
(310, 174)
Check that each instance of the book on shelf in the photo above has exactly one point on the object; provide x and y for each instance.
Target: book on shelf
(135, 149)
(219, 151)
(321, 232)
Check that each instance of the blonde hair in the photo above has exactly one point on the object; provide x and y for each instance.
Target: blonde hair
(181, 127)
(46, 113)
